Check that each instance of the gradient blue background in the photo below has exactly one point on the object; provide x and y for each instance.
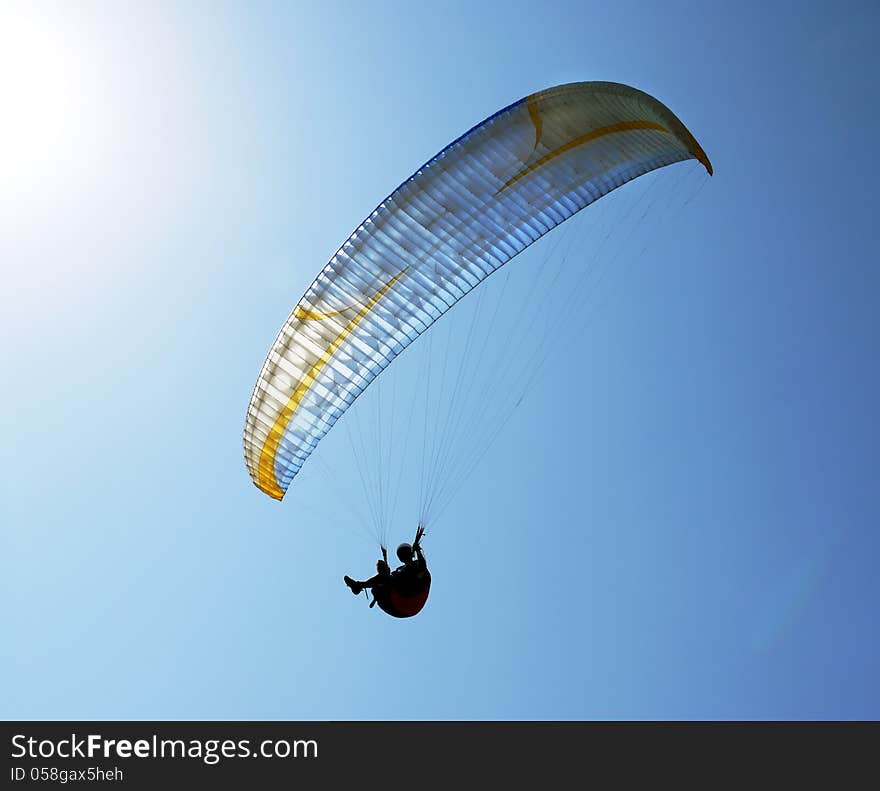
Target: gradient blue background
(697, 539)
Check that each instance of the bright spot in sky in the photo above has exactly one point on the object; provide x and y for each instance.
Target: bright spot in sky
(37, 102)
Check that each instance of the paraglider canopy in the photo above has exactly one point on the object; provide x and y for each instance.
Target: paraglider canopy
(481, 201)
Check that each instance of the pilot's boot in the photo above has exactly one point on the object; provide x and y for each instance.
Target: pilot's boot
(355, 586)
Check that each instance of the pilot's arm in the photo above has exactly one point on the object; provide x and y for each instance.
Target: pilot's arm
(418, 553)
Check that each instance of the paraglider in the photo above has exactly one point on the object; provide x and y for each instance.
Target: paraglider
(478, 203)
(403, 592)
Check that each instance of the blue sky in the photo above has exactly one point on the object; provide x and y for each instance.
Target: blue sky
(681, 522)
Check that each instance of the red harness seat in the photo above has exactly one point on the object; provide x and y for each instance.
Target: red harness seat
(404, 601)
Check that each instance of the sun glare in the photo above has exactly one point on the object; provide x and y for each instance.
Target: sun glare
(37, 102)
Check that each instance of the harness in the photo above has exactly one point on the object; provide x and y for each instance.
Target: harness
(403, 600)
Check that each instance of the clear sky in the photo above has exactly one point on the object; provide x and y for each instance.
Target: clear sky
(680, 522)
